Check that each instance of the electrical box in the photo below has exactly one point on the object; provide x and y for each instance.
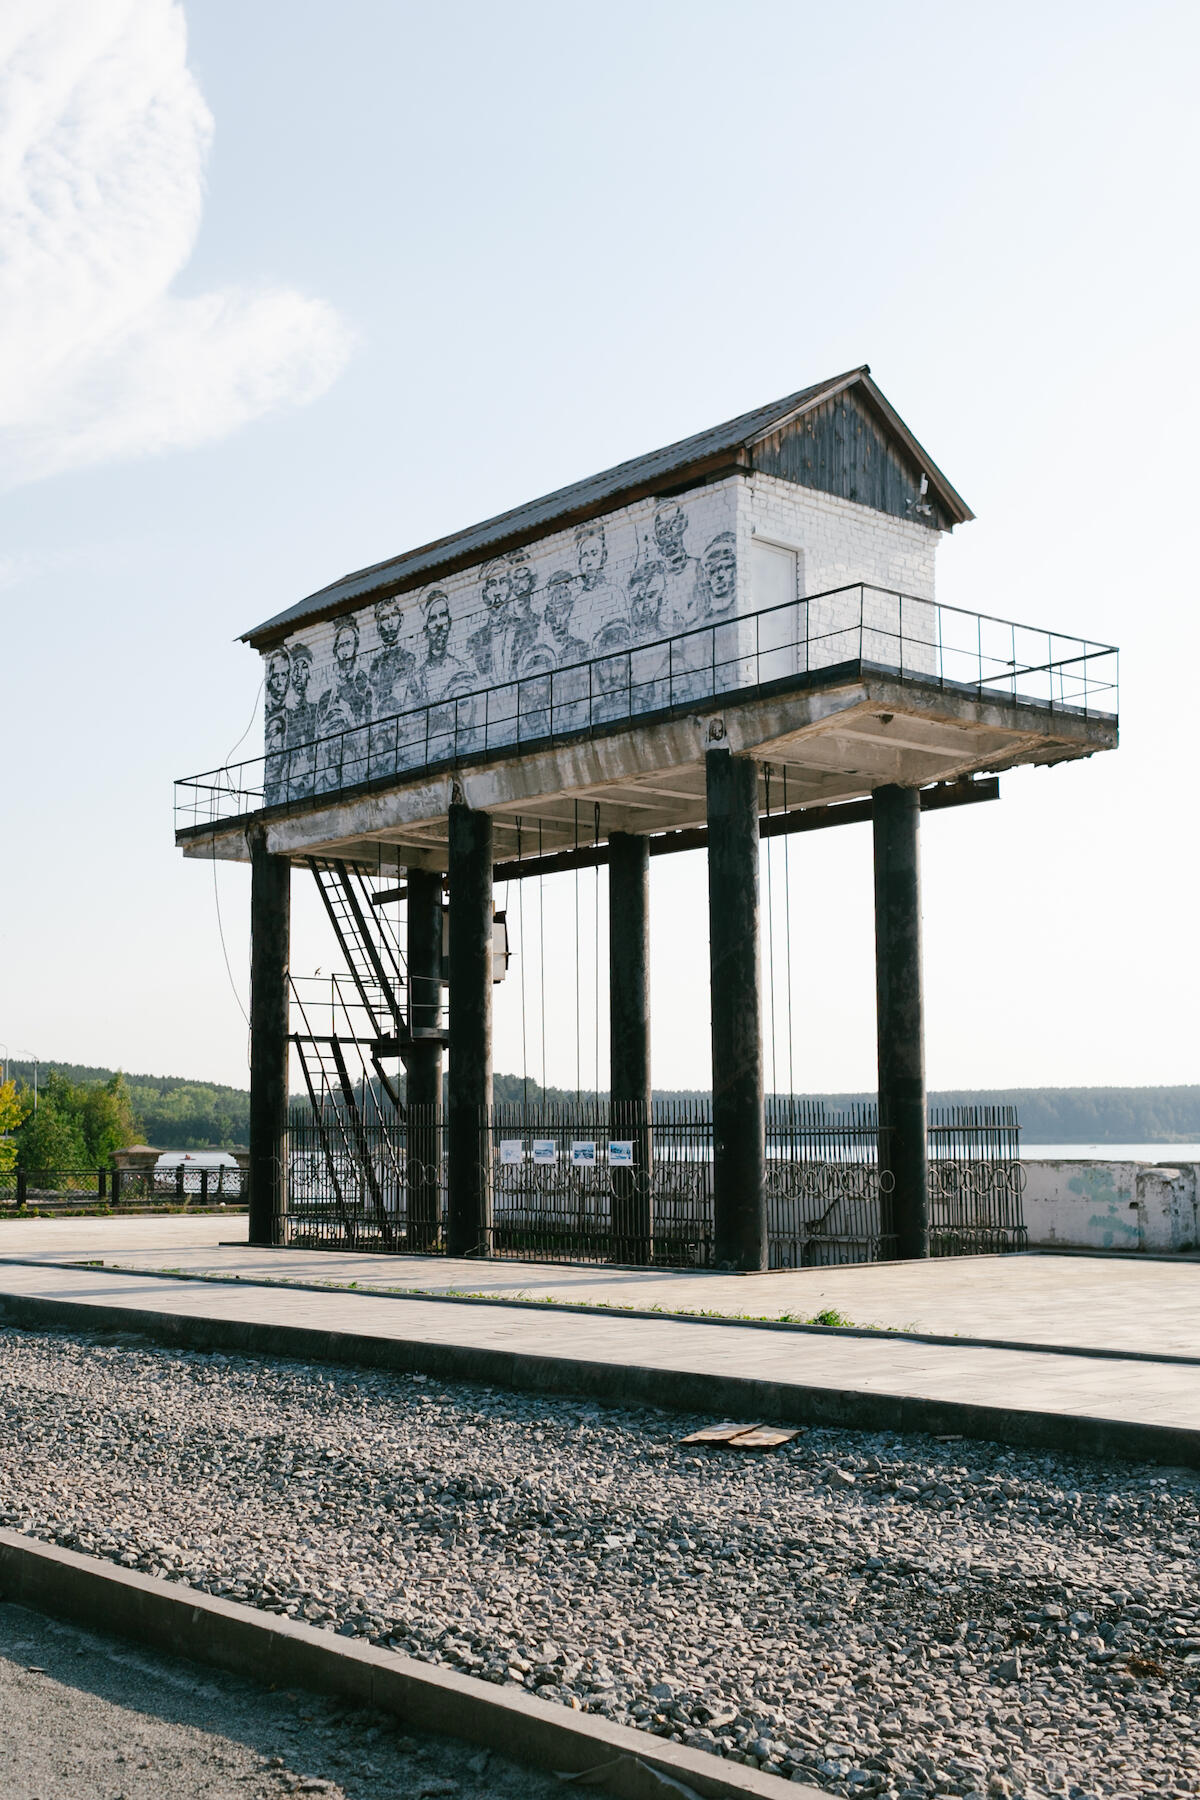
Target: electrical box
(500, 949)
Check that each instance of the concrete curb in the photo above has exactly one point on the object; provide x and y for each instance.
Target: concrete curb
(620, 1384)
(873, 1332)
(181, 1621)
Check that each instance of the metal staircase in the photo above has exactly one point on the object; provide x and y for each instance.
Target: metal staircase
(351, 1092)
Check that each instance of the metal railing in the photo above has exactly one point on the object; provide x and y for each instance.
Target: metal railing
(593, 1183)
(56, 1189)
(797, 644)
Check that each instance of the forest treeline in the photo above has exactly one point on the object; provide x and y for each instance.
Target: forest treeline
(179, 1114)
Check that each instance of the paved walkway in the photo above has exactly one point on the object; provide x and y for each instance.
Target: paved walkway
(1151, 1308)
(831, 1376)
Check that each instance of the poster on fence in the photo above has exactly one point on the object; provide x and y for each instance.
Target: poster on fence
(512, 1150)
(583, 1155)
(544, 1151)
(620, 1153)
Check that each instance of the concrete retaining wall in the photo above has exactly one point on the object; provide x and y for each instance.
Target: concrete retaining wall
(1113, 1205)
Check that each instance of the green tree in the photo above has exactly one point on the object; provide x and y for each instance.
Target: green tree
(105, 1112)
(77, 1125)
(50, 1138)
(12, 1111)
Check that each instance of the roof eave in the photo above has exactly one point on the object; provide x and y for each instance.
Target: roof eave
(731, 458)
(713, 467)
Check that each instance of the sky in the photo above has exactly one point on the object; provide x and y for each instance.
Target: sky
(287, 289)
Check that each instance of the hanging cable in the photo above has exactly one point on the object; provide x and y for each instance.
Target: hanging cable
(578, 1021)
(216, 891)
(787, 916)
(521, 954)
(596, 870)
(771, 931)
(542, 956)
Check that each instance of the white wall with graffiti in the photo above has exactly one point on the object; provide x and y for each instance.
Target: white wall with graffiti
(550, 638)
(643, 608)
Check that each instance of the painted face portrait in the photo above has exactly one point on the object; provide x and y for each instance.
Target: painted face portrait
(521, 577)
(387, 621)
(276, 732)
(560, 599)
(719, 564)
(593, 554)
(301, 671)
(437, 626)
(647, 591)
(345, 648)
(497, 588)
(279, 674)
(670, 523)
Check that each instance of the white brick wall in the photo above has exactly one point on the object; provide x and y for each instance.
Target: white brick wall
(840, 544)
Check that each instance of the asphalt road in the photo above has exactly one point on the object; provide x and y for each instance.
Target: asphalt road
(85, 1717)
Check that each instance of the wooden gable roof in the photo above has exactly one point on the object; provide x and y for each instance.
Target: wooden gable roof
(840, 436)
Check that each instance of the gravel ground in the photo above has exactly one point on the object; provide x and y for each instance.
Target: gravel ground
(871, 1613)
(86, 1717)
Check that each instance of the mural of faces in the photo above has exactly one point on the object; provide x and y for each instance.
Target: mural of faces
(647, 591)
(592, 551)
(388, 618)
(497, 587)
(279, 675)
(301, 671)
(560, 602)
(635, 577)
(437, 625)
(345, 646)
(670, 528)
(522, 576)
(718, 572)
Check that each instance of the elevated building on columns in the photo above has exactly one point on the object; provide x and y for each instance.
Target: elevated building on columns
(736, 633)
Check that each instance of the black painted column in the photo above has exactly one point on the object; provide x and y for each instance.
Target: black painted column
(899, 1013)
(629, 1039)
(740, 1214)
(424, 1089)
(469, 1175)
(270, 932)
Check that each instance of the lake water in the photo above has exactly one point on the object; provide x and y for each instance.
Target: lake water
(1151, 1153)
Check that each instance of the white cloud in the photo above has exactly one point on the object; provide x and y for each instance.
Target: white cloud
(103, 139)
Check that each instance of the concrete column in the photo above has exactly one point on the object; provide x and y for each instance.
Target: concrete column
(629, 1038)
(469, 1175)
(899, 1010)
(739, 1127)
(270, 933)
(424, 1063)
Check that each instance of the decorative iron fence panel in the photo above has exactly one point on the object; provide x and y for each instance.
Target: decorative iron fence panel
(594, 1183)
(975, 1181)
(69, 1188)
(828, 1200)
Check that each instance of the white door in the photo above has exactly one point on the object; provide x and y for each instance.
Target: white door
(775, 578)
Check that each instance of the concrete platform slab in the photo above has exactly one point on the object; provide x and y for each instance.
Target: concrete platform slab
(1140, 1308)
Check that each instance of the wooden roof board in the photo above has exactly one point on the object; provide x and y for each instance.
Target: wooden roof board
(715, 450)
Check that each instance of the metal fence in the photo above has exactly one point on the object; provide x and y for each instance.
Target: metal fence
(795, 645)
(595, 1183)
(67, 1189)
(975, 1181)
